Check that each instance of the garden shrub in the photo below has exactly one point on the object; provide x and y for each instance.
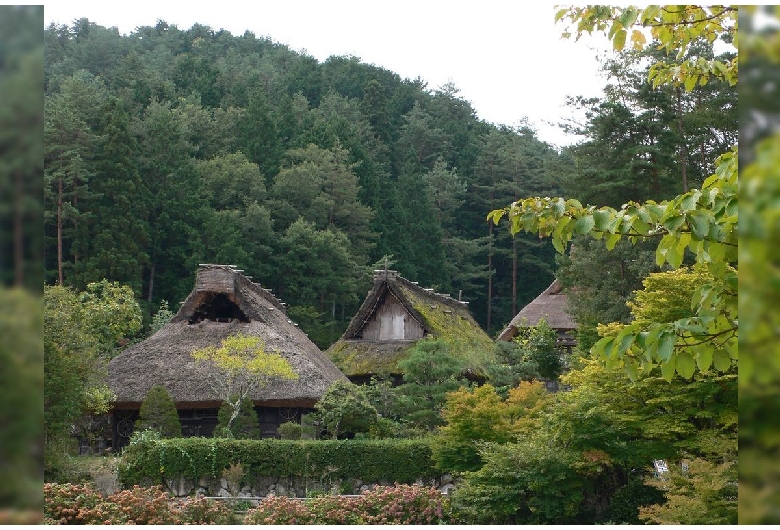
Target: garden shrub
(290, 430)
(158, 413)
(76, 504)
(150, 460)
(344, 410)
(400, 504)
(79, 504)
(245, 426)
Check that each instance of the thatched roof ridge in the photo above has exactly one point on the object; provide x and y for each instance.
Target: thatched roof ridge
(165, 357)
(551, 305)
(440, 315)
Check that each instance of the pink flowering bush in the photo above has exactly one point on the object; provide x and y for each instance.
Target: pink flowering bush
(400, 504)
(80, 504)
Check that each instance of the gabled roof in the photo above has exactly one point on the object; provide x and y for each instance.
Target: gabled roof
(224, 302)
(551, 305)
(439, 316)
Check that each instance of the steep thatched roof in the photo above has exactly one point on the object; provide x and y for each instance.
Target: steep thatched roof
(550, 305)
(223, 303)
(434, 315)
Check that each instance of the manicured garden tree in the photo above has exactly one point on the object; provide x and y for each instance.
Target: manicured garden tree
(245, 426)
(476, 416)
(74, 371)
(430, 371)
(511, 367)
(238, 367)
(472, 416)
(539, 347)
(344, 410)
(158, 412)
(533, 482)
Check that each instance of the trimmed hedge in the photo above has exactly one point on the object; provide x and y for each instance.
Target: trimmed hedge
(395, 461)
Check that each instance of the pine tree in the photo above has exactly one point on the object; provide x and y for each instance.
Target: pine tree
(158, 412)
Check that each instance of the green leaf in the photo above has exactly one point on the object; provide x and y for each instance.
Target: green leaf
(629, 365)
(667, 370)
(584, 224)
(690, 82)
(721, 360)
(558, 244)
(685, 365)
(600, 348)
(666, 345)
(704, 359)
(619, 41)
(667, 242)
(626, 342)
(496, 216)
(675, 256)
(612, 240)
(691, 200)
(700, 225)
(673, 223)
(601, 220)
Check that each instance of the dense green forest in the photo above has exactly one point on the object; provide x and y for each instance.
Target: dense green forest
(167, 148)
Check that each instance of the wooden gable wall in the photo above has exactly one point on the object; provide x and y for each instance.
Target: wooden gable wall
(391, 321)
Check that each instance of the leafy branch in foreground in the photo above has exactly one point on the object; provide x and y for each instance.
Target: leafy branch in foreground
(674, 27)
(703, 221)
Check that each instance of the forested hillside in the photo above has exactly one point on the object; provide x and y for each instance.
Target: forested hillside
(168, 147)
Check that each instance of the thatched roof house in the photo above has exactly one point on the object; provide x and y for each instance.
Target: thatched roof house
(224, 302)
(551, 305)
(394, 316)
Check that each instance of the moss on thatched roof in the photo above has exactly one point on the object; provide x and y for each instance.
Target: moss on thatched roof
(224, 302)
(551, 305)
(441, 317)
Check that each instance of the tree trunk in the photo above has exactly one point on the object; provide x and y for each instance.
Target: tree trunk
(514, 276)
(683, 150)
(151, 284)
(236, 406)
(490, 275)
(18, 232)
(59, 232)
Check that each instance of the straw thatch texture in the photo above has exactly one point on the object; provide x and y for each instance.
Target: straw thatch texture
(362, 352)
(165, 358)
(551, 305)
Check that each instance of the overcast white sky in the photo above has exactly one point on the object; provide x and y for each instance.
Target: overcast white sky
(505, 57)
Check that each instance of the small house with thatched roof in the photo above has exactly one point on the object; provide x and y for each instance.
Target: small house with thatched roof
(395, 315)
(223, 303)
(550, 305)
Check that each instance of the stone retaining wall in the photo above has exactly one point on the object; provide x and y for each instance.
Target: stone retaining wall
(285, 486)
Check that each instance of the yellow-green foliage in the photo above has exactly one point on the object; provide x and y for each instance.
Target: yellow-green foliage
(243, 353)
(478, 415)
(666, 296)
(704, 494)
